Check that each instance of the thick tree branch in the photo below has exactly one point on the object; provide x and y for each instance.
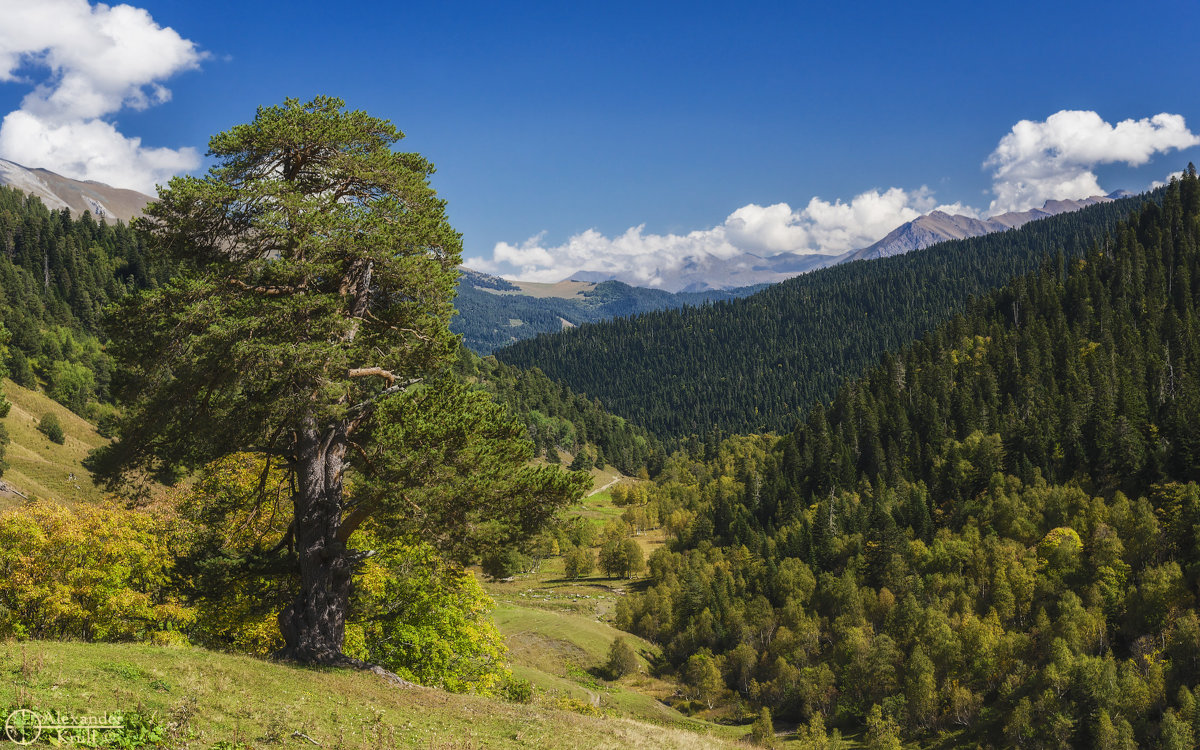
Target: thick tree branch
(270, 291)
(352, 521)
(365, 372)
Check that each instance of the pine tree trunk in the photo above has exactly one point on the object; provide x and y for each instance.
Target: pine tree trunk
(314, 624)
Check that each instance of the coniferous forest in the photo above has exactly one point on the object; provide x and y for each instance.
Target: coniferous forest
(992, 538)
(748, 365)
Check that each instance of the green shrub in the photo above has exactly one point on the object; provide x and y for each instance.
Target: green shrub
(622, 659)
(90, 572)
(503, 563)
(52, 428)
(517, 690)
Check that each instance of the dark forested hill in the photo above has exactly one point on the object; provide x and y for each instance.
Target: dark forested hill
(493, 312)
(990, 540)
(751, 364)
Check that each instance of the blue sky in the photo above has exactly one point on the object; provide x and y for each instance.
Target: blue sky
(550, 120)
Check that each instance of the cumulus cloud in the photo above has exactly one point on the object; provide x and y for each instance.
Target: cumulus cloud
(645, 259)
(1164, 182)
(87, 62)
(1038, 161)
(1033, 163)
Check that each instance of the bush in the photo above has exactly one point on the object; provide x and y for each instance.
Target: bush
(503, 563)
(96, 573)
(427, 620)
(52, 428)
(622, 660)
(517, 690)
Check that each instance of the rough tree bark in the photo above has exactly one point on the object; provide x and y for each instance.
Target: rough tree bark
(314, 624)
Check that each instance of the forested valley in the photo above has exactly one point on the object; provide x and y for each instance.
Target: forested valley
(990, 539)
(749, 365)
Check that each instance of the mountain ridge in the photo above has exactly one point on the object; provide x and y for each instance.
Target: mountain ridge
(59, 192)
(699, 274)
(747, 365)
(938, 226)
(494, 312)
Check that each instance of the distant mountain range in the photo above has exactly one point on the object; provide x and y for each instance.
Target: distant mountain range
(938, 226)
(58, 192)
(702, 274)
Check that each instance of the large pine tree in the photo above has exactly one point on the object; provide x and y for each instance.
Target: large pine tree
(316, 274)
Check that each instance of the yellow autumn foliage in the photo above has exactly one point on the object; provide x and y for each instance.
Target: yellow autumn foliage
(96, 573)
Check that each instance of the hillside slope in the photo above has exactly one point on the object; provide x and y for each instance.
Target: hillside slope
(209, 698)
(57, 192)
(988, 540)
(38, 467)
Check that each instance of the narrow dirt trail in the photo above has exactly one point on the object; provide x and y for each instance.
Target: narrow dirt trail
(605, 487)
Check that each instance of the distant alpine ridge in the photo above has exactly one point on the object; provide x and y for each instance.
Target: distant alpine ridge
(58, 192)
(938, 226)
(747, 269)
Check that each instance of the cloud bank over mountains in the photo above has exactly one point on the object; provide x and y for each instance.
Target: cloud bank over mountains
(643, 259)
(86, 63)
(1033, 163)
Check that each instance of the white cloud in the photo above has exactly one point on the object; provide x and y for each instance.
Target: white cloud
(1039, 161)
(1035, 162)
(823, 227)
(96, 60)
(1164, 182)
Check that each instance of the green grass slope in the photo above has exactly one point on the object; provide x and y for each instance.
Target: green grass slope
(558, 633)
(208, 698)
(38, 467)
